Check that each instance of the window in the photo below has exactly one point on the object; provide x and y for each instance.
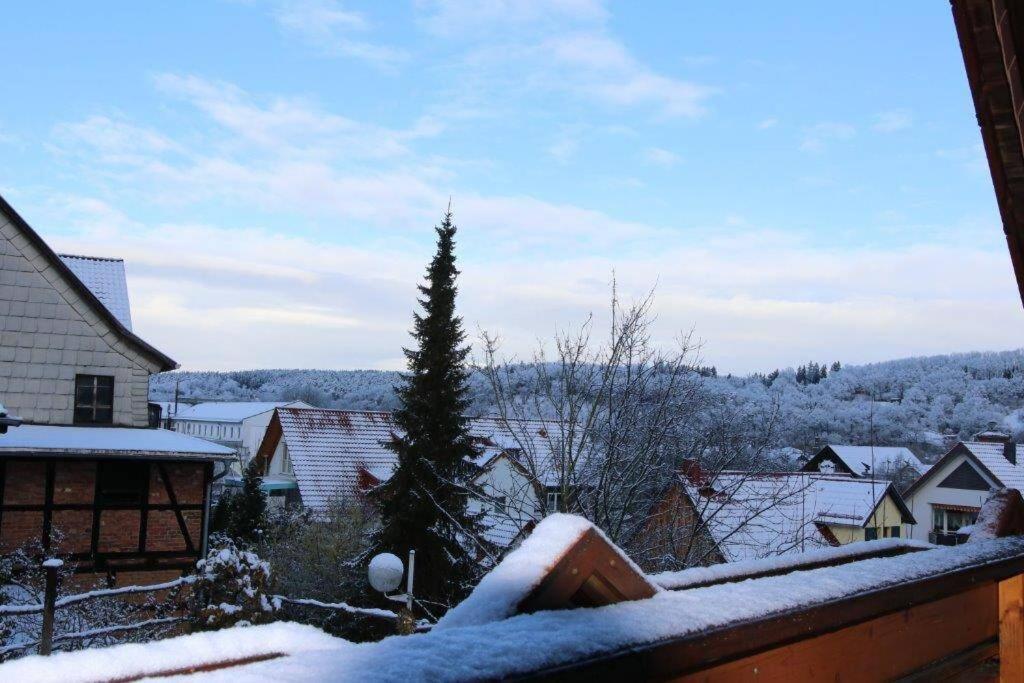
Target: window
(871, 533)
(122, 482)
(945, 521)
(894, 532)
(554, 501)
(499, 504)
(94, 399)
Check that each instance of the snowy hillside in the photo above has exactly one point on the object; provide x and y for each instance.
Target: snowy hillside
(912, 402)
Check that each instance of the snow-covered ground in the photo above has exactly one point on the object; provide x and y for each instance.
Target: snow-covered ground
(516, 645)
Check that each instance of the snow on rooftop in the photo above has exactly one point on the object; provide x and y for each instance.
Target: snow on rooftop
(229, 411)
(108, 440)
(328, 447)
(993, 456)
(106, 279)
(507, 648)
(885, 458)
(753, 516)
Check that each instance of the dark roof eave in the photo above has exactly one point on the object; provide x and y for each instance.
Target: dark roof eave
(166, 362)
(80, 454)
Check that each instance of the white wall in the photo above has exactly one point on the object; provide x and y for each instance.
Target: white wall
(920, 502)
(503, 479)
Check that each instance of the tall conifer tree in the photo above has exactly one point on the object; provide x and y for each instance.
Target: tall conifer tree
(423, 504)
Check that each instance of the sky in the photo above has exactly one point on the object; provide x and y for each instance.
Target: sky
(798, 181)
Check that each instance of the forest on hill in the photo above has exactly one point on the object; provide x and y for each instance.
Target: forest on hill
(921, 402)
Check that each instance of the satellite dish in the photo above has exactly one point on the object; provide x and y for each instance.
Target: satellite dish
(385, 572)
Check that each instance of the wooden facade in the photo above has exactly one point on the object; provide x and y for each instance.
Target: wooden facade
(107, 515)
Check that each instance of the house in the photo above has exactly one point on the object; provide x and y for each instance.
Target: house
(745, 515)
(313, 456)
(949, 495)
(885, 462)
(84, 474)
(239, 425)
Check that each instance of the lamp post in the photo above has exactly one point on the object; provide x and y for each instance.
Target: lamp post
(385, 574)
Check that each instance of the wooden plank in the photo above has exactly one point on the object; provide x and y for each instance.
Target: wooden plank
(591, 573)
(696, 652)
(881, 649)
(1011, 629)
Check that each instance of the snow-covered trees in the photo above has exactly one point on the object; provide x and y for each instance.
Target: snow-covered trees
(423, 505)
(916, 400)
(247, 509)
(234, 586)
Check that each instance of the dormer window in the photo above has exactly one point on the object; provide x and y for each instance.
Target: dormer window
(94, 399)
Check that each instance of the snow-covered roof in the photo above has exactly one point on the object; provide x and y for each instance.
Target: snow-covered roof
(518, 646)
(229, 411)
(992, 454)
(752, 516)
(105, 278)
(328, 448)
(109, 441)
(885, 458)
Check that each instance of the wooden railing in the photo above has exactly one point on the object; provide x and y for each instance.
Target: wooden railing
(51, 603)
(929, 627)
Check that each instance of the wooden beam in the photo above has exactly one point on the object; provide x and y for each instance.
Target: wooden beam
(1011, 629)
(591, 573)
(878, 650)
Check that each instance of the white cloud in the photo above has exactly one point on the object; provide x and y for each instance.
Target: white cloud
(560, 46)
(564, 148)
(892, 121)
(328, 26)
(306, 302)
(661, 157)
(477, 17)
(115, 140)
(767, 123)
(818, 136)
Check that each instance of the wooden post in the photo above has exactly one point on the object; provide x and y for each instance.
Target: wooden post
(1011, 629)
(49, 605)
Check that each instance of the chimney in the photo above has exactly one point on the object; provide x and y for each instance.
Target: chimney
(993, 435)
(691, 469)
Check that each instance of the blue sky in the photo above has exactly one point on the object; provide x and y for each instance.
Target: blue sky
(801, 180)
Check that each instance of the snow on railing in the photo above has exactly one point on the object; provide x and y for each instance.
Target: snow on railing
(339, 606)
(50, 604)
(36, 608)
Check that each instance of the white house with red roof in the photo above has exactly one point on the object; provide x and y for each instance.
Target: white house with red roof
(314, 456)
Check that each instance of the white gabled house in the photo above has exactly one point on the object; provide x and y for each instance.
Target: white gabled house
(237, 424)
(745, 516)
(885, 462)
(313, 456)
(950, 494)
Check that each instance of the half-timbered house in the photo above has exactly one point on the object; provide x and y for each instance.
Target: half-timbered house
(85, 476)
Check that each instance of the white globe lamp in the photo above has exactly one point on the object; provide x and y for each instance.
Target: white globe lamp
(385, 572)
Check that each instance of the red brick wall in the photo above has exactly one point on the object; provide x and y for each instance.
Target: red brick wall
(19, 528)
(75, 483)
(24, 482)
(186, 481)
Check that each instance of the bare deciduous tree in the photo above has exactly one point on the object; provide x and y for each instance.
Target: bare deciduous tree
(621, 417)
